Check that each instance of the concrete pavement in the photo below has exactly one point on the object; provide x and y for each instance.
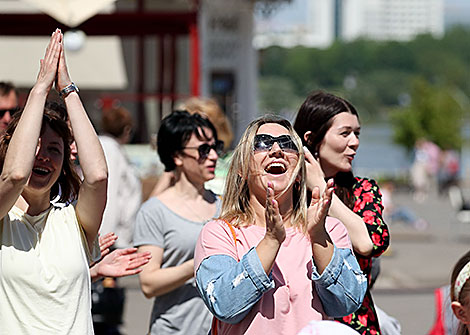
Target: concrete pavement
(419, 262)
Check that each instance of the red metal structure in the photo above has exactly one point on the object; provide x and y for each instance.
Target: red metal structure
(141, 23)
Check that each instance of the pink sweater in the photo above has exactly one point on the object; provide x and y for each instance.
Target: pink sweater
(293, 303)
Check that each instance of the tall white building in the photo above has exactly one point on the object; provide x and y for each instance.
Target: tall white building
(317, 23)
(398, 20)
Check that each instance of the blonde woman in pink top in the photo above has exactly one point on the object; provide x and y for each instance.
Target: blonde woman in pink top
(273, 262)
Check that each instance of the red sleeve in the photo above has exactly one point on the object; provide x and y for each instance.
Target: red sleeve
(368, 206)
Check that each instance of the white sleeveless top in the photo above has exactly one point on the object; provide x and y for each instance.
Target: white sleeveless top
(44, 274)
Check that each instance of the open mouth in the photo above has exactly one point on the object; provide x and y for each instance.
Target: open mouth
(41, 171)
(275, 168)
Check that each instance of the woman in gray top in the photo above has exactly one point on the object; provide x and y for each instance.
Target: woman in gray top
(168, 225)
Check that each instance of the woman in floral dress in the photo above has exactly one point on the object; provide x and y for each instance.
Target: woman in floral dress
(329, 128)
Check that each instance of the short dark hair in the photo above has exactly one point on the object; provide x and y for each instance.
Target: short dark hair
(6, 87)
(175, 132)
(55, 116)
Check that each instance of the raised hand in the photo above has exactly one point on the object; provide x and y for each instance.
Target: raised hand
(48, 68)
(315, 175)
(63, 77)
(122, 262)
(318, 209)
(274, 224)
(106, 242)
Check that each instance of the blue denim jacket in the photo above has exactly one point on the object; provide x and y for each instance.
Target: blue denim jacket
(341, 287)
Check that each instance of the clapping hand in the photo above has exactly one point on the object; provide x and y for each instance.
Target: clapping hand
(106, 242)
(274, 223)
(318, 209)
(122, 262)
(118, 263)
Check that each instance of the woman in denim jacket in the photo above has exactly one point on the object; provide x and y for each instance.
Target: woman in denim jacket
(273, 262)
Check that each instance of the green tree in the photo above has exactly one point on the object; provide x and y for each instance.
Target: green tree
(382, 71)
(433, 114)
(277, 95)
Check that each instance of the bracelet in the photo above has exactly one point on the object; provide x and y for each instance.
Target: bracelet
(67, 90)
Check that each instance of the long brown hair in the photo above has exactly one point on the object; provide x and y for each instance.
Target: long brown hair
(55, 116)
(316, 115)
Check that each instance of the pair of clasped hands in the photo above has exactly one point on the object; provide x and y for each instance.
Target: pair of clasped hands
(53, 68)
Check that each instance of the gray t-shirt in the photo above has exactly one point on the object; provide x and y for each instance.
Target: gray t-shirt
(180, 311)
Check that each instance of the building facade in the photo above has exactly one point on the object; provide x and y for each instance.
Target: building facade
(147, 55)
(318, 23)
(400, 20)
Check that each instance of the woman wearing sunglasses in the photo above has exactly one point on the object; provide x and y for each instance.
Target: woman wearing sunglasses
(8, 104)
(168, 225)
(45, 250)
(329, 128)
(272, 263)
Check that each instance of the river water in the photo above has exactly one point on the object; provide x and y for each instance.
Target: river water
(378, 156)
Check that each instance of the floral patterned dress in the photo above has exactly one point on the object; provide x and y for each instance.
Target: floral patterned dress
(368, 205)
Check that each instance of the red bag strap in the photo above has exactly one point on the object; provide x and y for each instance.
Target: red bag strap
(439, 323)
(214, 326)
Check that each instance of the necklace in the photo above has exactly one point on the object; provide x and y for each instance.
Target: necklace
(199, 218)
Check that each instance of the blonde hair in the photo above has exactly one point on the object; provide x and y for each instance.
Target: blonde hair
(236, 202)
(210, 109)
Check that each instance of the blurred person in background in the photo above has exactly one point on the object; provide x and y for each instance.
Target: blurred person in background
(168, 225)
(124, 186)
(424, 169)
(124, 199)
(394, 214)
(329, 128)
(209, 109)
(449, 168)
(8, 104)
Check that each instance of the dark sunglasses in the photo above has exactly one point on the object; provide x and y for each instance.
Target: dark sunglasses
(264, 142)
(12, 111)
(204, 149)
